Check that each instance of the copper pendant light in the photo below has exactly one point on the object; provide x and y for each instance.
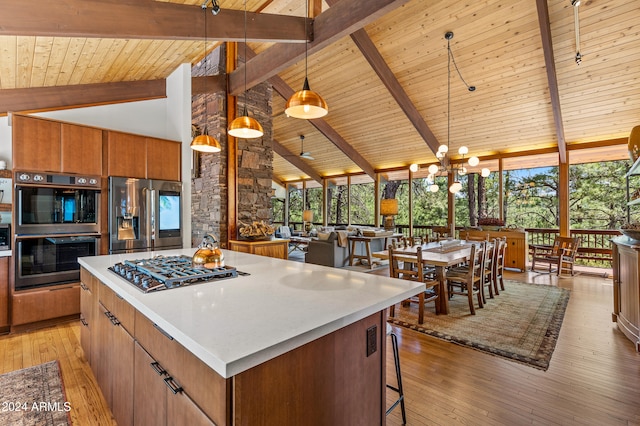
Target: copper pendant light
(204, 142)
(306, 103)
(245, 127)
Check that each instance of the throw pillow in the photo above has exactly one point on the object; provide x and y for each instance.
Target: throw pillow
(324, 236)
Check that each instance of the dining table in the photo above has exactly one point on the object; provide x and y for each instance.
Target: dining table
(441, 255)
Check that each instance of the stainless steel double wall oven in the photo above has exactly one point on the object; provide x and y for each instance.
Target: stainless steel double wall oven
(57, 220)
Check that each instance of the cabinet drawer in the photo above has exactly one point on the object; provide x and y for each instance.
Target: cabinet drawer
(114, 303)
(88, 279)
(39, 305)
(210, 391)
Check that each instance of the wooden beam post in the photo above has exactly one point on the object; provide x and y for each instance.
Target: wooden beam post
(232, 151)
(563, 197)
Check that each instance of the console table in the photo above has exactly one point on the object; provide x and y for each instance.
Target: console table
(517, 246)
(277, 247)
(366, 241)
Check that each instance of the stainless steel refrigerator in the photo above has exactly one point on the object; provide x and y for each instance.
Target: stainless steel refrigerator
(144, 215)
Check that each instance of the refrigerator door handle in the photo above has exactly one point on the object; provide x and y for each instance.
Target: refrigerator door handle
(152, 216)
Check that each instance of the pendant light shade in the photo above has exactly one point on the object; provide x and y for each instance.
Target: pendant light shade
(306, 104)
(245, 127)
(205, 143)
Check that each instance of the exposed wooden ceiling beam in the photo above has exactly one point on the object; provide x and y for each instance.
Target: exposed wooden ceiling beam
(375, 59)
(552, 78)
(144, 20)
(208, 84)
(61, 97)
(284, 90)
(294, 159)
(339, 21)
(377, 62)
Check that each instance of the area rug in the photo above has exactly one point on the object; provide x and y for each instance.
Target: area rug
(34, 396)
(521, 324)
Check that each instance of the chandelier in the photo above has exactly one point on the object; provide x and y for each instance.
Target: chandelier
(446, 165)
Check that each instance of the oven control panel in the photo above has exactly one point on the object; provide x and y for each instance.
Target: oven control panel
(37, 178)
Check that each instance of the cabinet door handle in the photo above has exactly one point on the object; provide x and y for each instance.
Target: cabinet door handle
(84, 286)
(84, 322)
(158, 368)
(164, 333)
(172, 385)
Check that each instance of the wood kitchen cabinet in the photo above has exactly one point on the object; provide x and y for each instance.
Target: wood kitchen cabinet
(626, 288)
(81, 150)
(36, 144)
(206, 388)
(4, 293)
(115, 354)
(143, 157)
(126, 155)
(159, 399)
(88, 314)
(31, 306)
(42, 145)
(163, 159)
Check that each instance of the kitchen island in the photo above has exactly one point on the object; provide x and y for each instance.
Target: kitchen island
(289, 343)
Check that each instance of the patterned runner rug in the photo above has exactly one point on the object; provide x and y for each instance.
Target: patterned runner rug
(521, 324)
(34, 396)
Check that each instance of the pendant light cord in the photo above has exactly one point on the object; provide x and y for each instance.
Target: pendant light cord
(206, 104)
(449, 56)
(246, 114)
(306, 43)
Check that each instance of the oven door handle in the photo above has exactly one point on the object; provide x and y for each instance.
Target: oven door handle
(34, 236)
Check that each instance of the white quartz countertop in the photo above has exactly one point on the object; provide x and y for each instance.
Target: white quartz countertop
(235, 324)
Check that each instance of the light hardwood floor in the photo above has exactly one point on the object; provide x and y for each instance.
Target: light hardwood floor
(593, 379)
(61, 342)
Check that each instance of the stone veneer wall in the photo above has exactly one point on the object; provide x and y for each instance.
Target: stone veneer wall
(209, 198)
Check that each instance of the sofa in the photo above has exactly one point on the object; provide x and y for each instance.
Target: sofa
(327, 251)
(330, 250)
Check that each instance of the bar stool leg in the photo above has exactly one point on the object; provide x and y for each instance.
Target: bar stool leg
(396, 360)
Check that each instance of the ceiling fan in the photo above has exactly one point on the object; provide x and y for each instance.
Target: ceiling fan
(305, 155)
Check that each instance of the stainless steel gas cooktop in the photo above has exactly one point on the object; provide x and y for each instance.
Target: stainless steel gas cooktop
(166, 272)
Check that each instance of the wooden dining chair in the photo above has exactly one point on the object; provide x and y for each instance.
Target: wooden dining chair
(466, 280)
(487, 279)
(498, 265)
(409, 266)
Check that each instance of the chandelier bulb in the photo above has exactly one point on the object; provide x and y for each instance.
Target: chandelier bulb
(463, 150)
(433, 169)
(414, 167)
(474, 161)
(443, 149)
(485, 172)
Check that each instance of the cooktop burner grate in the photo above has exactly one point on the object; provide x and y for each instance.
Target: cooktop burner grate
(165, 272)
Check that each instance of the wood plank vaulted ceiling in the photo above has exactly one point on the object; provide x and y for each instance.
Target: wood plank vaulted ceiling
(384, 75)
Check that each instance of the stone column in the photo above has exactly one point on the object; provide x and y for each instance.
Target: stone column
(255, 157)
